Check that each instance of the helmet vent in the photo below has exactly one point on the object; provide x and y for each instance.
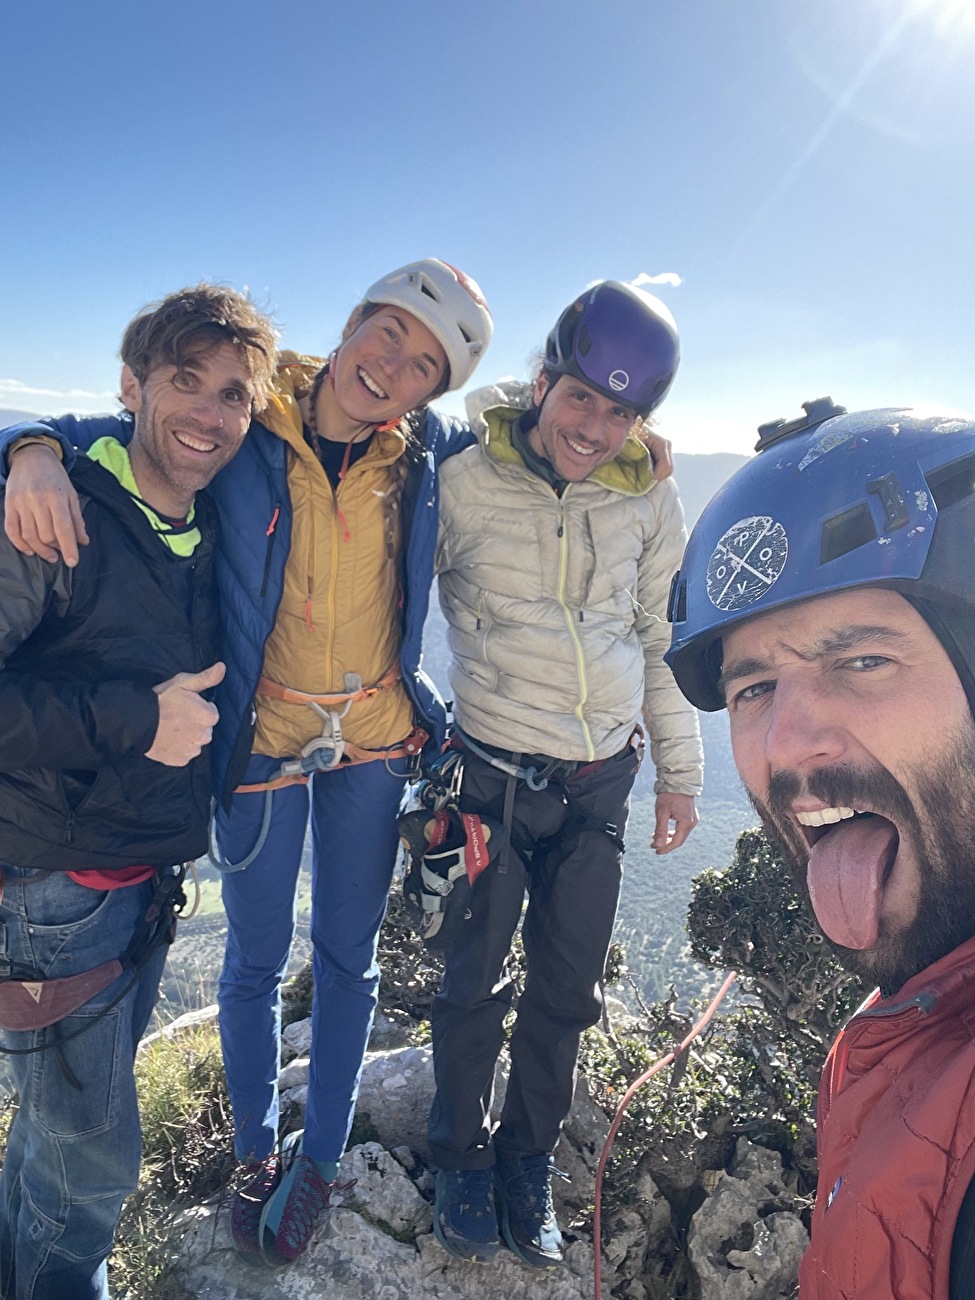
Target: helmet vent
(847, 531)
(584, 342)
(425, 288)
(464, 334)
(953, 482)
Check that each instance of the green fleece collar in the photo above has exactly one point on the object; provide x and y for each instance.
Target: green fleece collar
(182, 539)
(630, 473)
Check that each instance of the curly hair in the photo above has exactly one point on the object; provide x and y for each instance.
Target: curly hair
(197, 320)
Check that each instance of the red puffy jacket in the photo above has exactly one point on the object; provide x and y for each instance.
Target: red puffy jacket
(896, 1141)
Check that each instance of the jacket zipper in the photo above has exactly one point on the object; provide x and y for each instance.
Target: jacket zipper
(270, 535)
(570, 624)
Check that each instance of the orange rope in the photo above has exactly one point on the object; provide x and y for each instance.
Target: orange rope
(618, 1119)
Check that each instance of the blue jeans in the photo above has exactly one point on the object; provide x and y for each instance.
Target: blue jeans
(354, 841)
(73, 1154)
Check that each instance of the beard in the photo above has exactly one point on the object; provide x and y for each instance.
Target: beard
(938, 819)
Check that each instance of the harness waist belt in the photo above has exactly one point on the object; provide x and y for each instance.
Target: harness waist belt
(352, 755)
(275, 691)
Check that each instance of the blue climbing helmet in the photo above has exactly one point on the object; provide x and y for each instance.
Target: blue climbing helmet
(832, 501)
(619, 340)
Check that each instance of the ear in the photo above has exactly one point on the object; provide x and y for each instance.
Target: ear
(131, 391)
(539, 389)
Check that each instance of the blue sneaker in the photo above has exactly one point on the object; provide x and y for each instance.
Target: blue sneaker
(464, 1218)
(528, 1221)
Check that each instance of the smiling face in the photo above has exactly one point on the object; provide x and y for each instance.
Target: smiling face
(189, 422)
(854, 738)
(578, 429)
(390, 363)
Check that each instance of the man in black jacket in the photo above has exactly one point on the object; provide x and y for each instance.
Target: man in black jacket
(104, 781)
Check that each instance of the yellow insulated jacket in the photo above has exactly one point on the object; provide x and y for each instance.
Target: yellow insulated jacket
(339, 611)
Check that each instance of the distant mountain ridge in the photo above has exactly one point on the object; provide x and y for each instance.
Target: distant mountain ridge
(8, 416)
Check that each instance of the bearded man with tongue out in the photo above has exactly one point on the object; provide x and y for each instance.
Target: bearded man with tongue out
(827, 600)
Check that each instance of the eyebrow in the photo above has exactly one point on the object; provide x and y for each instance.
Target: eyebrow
(832, 643)
(406, 330)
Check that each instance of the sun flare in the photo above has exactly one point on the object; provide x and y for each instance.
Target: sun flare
(948, 17)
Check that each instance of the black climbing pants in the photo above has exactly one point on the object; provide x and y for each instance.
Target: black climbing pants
(572, 868)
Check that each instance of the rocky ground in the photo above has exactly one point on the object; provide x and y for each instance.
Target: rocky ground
(744, 1240)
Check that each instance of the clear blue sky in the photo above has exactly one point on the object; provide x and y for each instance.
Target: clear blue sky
(805, 168)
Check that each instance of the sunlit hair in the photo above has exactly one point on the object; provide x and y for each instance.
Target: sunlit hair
(195, 321)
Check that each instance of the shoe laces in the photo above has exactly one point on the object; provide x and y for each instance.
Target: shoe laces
(530, 1189)
(261, 1181)
(308, 1197)
(470, 1189)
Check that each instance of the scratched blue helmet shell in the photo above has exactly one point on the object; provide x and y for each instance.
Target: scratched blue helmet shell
(619, 340)
(832, 501)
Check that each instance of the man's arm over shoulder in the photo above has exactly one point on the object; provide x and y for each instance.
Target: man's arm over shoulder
(672, 723)
(445, 435)
(58, 723)
(71, 433)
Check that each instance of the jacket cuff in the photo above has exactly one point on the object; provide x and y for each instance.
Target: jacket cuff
(126, 717)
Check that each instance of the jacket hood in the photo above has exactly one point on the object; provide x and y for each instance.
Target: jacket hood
(630, 473)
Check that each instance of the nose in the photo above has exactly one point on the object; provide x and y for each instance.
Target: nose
(208, 409)
(588, 426)
(805, 729)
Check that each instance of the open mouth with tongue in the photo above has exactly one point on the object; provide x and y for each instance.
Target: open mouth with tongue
(851, 857)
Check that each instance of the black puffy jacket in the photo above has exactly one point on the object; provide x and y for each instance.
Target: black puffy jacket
(80, 651)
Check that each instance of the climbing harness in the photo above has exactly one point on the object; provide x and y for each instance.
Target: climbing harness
(445, 853)
(330, 747)
(537, 771)
(28, 1004)
(323, 753)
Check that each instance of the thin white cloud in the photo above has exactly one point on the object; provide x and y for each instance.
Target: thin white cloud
(14, 393)
(665, 277)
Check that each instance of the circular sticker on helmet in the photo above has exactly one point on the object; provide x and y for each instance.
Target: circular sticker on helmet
(618, 380)
(746, 562)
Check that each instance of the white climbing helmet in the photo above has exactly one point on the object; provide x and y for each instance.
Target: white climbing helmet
(449, 303)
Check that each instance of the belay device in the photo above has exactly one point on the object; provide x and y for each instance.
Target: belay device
(446, 851)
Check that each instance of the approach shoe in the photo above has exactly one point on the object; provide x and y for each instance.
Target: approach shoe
(262, 1179)
(464, 1218)
(290, 1216)
(527, 1215)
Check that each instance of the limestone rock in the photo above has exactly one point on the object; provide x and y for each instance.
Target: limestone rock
(743, 1242)
(202, 1017)
(364, 1253)
(382, 1192)
(296, 1038)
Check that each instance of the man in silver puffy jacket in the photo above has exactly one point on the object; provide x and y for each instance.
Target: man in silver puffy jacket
(557, 548)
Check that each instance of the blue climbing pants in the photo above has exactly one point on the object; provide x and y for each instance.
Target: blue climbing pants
(354, 841)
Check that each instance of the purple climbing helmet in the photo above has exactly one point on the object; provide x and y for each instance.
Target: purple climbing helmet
(619, 340)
